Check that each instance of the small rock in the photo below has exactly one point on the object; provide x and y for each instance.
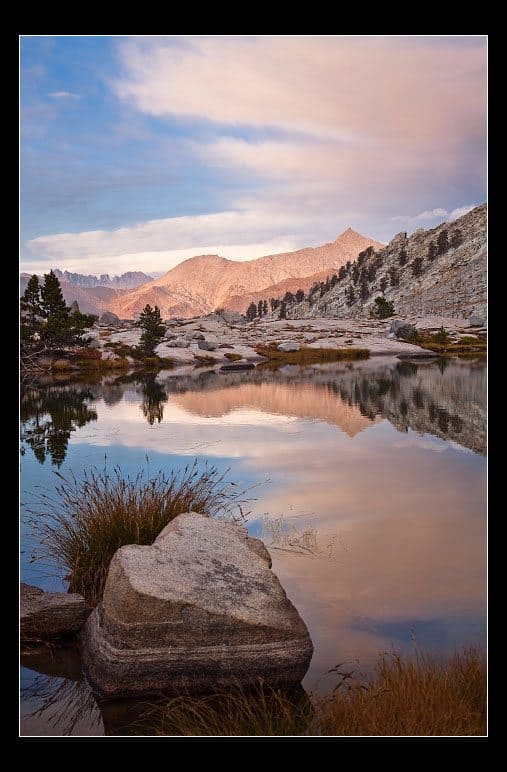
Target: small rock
(206, 345)
(289, 345)
(391, 336)
(48, 615)
(197, 336)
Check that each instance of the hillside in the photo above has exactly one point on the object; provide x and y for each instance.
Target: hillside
(201, 284)
(441, 271)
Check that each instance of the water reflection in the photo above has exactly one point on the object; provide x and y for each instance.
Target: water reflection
(374, 507)
(49, 414)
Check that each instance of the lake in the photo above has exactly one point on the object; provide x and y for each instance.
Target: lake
(368, 488)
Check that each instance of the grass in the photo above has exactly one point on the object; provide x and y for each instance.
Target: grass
(233, 357)
(84, 522)
(309, 356)
(441, 343)
(403, 697)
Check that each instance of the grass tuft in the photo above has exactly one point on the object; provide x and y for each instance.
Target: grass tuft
(84, 522)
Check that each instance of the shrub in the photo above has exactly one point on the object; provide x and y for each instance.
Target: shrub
(417, 266)
(84, 522)
(442, 336)
(384, 308)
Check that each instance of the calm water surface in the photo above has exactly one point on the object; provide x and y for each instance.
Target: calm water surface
(370, 495)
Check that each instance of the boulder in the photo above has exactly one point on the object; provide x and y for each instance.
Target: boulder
(206, 345)
(231, 317)
(476, 321)
(95, 343)
(178, 343)
(74, 307)
(196, 611)
(196, 336)
(108, 318)
(49, 615)
(289, 345)
(237, 367)
(402, 329)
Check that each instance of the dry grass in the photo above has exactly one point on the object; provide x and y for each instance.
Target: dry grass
(84, 522)
(309, 356)
(420, 697)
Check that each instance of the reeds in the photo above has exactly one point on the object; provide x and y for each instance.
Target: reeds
(84, 521)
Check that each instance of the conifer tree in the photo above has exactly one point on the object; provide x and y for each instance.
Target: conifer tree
(152, 329)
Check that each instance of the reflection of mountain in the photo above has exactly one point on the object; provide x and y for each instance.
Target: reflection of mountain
(446, 401)
(288, 399)
(49, 414)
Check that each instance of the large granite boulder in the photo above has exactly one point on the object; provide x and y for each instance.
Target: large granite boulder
(231, 317)
(49, 615)
(197, 610)
(178, 343)
(110, 319)
(476, 321)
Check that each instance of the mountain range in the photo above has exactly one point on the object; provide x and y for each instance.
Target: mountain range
(201, 284)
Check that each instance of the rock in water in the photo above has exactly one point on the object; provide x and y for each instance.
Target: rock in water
(48, 615)
(197, 610)
(289, 345)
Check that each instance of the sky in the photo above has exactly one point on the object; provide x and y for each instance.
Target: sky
(140, 152)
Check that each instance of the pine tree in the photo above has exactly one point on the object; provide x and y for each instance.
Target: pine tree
(31, 314)
(355, 273)
(260, 308)
(153, 330)
(383, 308)
(283, 310)
(265, 308)
(300, 295)
(342, 272)
(251, 312)
(383, 284)
(61, 327)
(364, 291)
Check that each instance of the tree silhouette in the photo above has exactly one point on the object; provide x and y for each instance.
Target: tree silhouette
(265, 308)
(300, 295)
(355, 273)
(364, 291)
(283, 310)
(383, 283)
(260, 308)
(342, 272)
(394, 278)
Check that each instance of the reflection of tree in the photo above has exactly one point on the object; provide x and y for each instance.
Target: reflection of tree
(49, 414)
(154, 395)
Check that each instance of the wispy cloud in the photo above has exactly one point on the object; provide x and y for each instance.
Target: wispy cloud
(434, 214)
(64, 95)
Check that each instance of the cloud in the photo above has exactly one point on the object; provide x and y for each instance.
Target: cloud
(164, 243)
(338, 87)
(63, 95)
(433, 214)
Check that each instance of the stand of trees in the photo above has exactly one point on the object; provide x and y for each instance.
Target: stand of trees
(47, 322)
